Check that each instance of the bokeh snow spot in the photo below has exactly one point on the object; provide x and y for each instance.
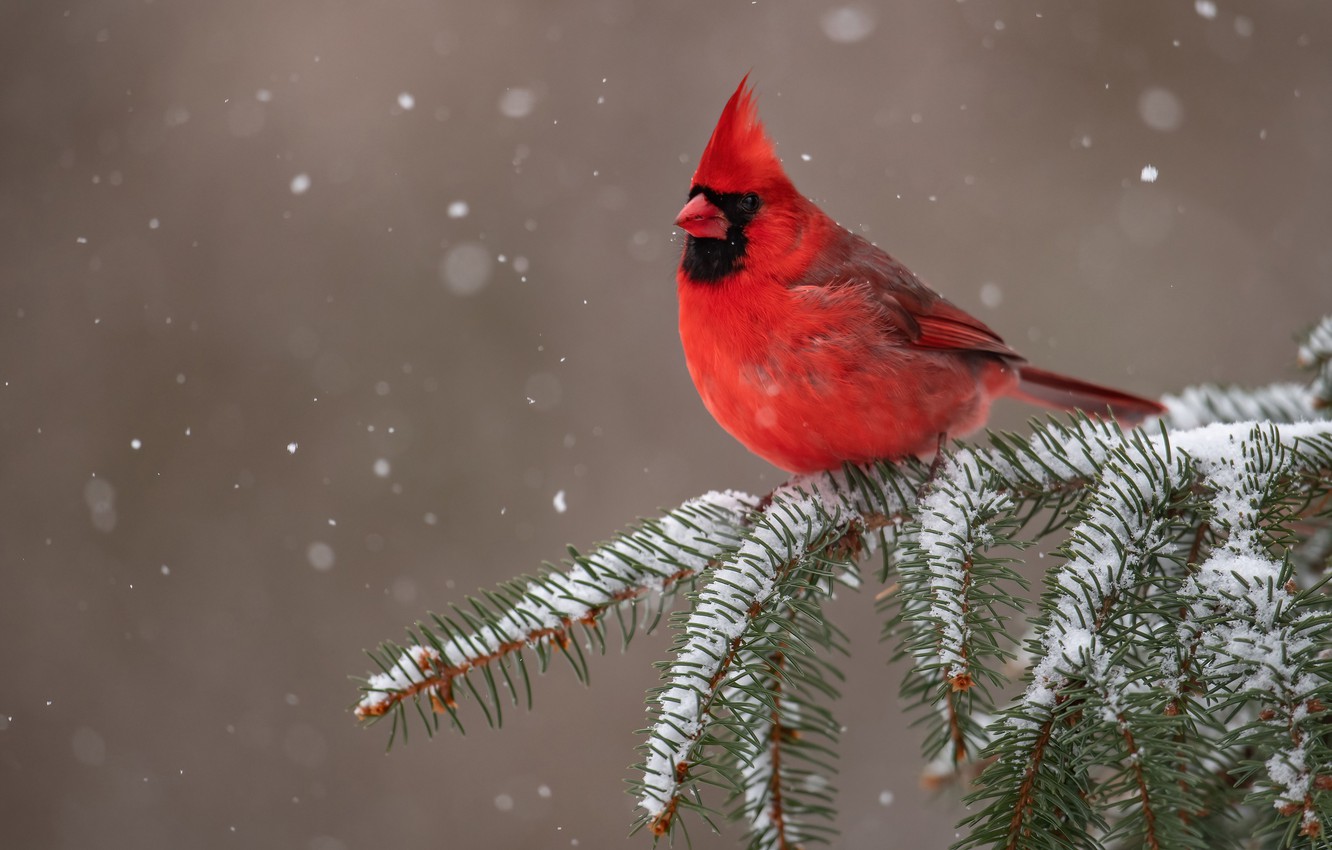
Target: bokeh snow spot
(466, 268)
(320, 555)
(991, 294)
(517, 102)
(100, 497)
(847, 24)
(1160, 109)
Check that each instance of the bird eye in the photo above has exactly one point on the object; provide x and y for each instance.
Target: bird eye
(750, 203)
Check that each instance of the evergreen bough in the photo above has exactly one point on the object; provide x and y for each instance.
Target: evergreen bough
(1177, 665)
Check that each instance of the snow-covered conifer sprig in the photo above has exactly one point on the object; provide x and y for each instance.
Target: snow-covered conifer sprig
(950, 601)
(1316, 354)
(1137, 759)
(949, 615)
(1125, 525)
(661, 556)
(731, 621)
(758, 603)
(1116, 608)
(1208, 404)
(1087, 659)
(1261, 641)
(777, 732)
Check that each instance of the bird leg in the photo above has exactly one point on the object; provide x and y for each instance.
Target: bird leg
(934, 465)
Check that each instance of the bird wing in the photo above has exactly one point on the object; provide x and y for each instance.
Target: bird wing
(911, 310)
(949, 326)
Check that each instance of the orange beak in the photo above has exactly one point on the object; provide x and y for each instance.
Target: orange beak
(701, 219)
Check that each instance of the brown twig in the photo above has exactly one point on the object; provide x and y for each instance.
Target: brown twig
(1026, 799)
(959, 682)
(1148, 816)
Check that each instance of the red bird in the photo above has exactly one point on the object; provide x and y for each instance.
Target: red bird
(813, 347)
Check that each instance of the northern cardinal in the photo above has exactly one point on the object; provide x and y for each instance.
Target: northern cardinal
(813, 347)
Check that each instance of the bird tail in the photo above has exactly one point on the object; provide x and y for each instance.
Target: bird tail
(1061, 392)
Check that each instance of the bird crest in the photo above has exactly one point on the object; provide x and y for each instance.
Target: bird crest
(739, 156)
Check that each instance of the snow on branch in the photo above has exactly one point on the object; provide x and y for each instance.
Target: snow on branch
(727, 643)
(1122, 528)
(1112, 600)
(951, 609)
(1316, 354)
(1208, 404)
(654, 558)
(955, 526)
(766, 564)
(780, 734)
(1257, 639)
(949, 599)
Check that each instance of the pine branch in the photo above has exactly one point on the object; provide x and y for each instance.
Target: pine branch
(783, 737)
(761, 772)
(949, 612)
(950, 601)
(1105, 603)
(800, 536)
(1315, 354)
(658, 557)
(1082, 605)
(1209, 404)
(732, 611)
(1260, 630)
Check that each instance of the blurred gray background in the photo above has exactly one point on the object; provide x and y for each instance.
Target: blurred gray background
(309, 311)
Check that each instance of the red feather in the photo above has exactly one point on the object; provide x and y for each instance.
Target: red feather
(739, 149)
